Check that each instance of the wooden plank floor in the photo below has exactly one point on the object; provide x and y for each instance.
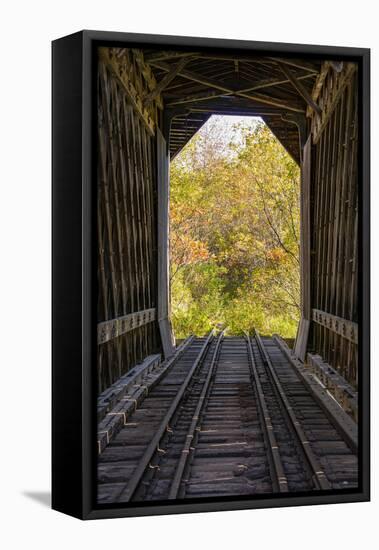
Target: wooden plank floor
(212, 432)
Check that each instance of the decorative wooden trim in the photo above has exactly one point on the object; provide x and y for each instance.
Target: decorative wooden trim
(326, 93)
(343, 327)
(117, 60)
(107, 330)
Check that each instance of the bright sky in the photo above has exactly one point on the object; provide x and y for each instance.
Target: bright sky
(225, 126)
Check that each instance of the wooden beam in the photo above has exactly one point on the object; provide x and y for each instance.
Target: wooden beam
(305, 253)
(256, 58)
(107, 330)
(112, 395)
(238, 111)
(332, 97)
(164, 55)
(320, 80)
(212, 83)
(259, 86)
(163, 189)
(298, 64)
(166, 80)
(345, 328)
(300, 88)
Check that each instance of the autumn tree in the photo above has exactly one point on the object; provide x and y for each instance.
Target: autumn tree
(234, 225)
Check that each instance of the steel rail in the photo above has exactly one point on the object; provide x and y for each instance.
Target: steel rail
(279, 481)
(344, 424)
(127, 492)
(319, 476)
(185, 453)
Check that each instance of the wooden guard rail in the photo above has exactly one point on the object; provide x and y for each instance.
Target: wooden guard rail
(343, 327)
(107, 330)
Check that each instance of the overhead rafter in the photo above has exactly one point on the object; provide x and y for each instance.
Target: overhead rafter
(210, 82)
(153, 57)
(220, 110)
(259, 86)
(208, 85)
(166, 80)
(299, 64)
(163, 55)
(300, 88)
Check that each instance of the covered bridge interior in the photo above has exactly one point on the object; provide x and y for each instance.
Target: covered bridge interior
(150, 103)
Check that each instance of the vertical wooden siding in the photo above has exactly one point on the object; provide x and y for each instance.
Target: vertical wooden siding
(126, 221)
(334, 239)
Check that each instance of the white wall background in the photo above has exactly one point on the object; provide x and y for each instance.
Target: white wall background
(26, 31)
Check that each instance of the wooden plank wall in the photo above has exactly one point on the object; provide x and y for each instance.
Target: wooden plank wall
(126, 220)
(334, 235)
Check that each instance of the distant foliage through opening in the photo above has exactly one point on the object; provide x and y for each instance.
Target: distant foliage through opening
(234, 232)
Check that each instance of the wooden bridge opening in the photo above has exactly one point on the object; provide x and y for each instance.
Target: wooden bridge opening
(150, 103)
(234, 231)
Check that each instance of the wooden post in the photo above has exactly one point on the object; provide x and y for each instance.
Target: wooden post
(305, 256)
(163, 303)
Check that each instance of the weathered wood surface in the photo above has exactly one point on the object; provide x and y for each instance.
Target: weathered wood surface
(228, 452)
(327, 92)
(118, 402)
(111, 396)
(127, 256)
(134, 75)
(163, 307)
(334, 222)
(342, 327)
(300, 88)
(107, 330)
(305, 253)
(337, 413)
(231, 83)
(133, 86)
(345, 394)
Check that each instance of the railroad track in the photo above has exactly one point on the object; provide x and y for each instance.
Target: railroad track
(326, 452)
(230, 416)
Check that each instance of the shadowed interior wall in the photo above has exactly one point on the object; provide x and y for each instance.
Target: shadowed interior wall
(126, 220)
(334, 222)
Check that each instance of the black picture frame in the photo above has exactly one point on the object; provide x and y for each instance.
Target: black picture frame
(74, 275)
